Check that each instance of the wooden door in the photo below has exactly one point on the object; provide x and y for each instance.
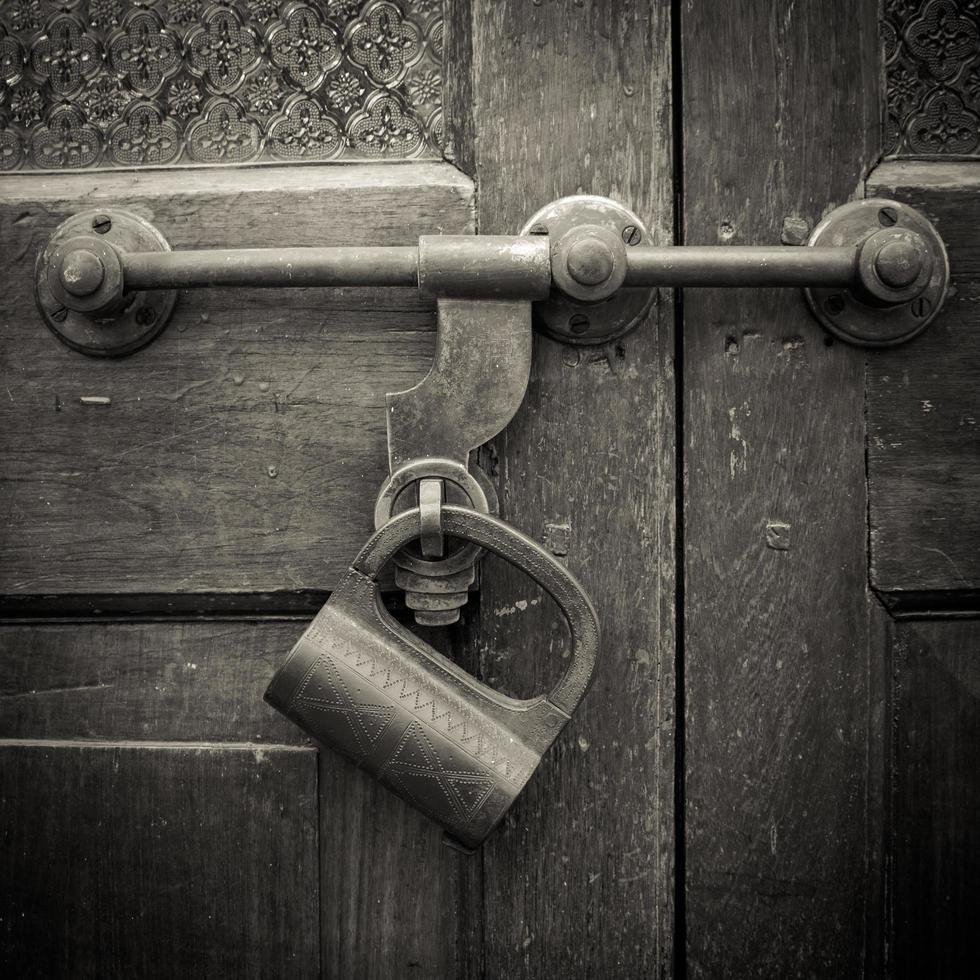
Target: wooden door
(774, 772)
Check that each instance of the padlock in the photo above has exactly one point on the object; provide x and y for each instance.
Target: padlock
(459, 751)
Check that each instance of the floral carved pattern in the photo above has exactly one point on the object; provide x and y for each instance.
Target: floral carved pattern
(143, 51)
(384, 129)
(306, 133)
(224, 134)
(145, 137)
(931, 50)
(384, 43)
(304, 45)
(131, 83)
(65, 54)
(65, 141)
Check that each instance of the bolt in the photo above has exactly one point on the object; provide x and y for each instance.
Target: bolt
(920, 307)
(578, 323)
(101, 223)
(887, 217)
(631, 235)
(898, 264)
(82, 272)
(590, 262)
(145, 315)
(796, 230)
(835, 304)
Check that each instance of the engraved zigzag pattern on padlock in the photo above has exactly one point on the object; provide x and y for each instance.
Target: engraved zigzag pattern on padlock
(449, 719)
(415, 767)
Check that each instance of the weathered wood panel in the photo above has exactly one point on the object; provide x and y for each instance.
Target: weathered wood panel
(934, 839)
(391, 889)
(780, 118)
(242, 450)
(573, 98)
(157, 861)
(390, 886)
(924, 414)
(149, 681)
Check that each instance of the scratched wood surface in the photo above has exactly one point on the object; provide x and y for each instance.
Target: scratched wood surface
(924, 415)
(389, 885)
(156, 860)
(934, 799)
(780, 125)
(241, 451)
(565, 99)
(158, 681)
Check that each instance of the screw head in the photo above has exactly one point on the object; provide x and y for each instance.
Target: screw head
(920, 307)
(590, 262)
(578, 323)
(101, 223)
(82, 272)
(898, 264)
(835, 304)
(631, 235)
(887, 217)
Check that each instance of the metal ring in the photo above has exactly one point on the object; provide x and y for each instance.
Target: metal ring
(431, 541)
(521, 552)
(420, 469)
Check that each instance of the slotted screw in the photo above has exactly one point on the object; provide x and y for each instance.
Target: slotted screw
(101, 223)
(887, 217)
(578, 323)
(631, 235)
(920, 307)
(835, 304)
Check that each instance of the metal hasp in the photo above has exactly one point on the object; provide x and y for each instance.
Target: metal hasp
(875, 272)
(902, 273)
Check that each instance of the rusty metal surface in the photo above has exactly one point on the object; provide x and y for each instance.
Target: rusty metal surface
(570, 320)
(741, 265)
(495, 266)
(890, 302)
(477, 382)
(457, 750)
(74, 319)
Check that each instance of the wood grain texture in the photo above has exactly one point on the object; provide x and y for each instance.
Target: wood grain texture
(157, 861)
(394, 897)
(392, 890)
(149, 681)
(924, 411)
(389, 886)
(934, 796)
(780, 121)
(242, 450)
(575, 98)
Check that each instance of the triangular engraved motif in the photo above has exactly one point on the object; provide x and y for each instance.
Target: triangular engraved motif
(324, 684)
(428, 792)
(470, 791)
(414, 751)
(372, 721)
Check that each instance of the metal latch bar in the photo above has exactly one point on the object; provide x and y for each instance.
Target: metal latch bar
(875, 271)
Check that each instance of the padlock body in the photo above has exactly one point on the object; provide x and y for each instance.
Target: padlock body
(361, 684)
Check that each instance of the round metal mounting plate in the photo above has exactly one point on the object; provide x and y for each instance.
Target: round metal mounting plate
(859, 321)
(142, 316)
(582, 323)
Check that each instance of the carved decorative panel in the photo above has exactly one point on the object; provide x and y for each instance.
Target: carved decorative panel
(108, 83)
(932, 64)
